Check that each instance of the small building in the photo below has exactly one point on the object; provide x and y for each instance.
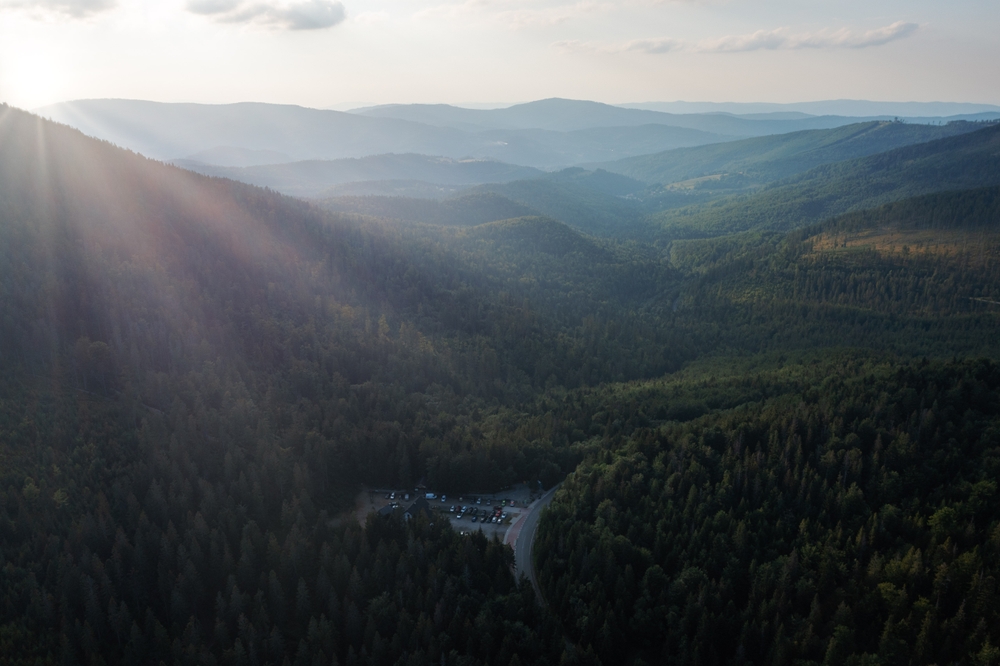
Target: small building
(419, 506)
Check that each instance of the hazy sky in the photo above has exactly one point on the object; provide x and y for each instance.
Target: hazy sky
(327, 53)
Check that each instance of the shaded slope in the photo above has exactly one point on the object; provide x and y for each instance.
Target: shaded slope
(540, 234)
(312, 178)
(466, 210)
(575, 203)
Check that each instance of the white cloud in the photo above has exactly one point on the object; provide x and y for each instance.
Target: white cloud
(762, 40)
(301, 15)
(65, 8)
(653, 45)
(783, 38)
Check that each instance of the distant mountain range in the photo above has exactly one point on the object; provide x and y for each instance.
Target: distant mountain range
(832, 107)
(567, 115)
(548, 134)
(251, 134)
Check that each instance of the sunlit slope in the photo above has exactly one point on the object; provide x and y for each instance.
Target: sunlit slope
(769, 158)
(934, 258)
(965, 161)
(166, 270)
(105, 245)
(169, 269)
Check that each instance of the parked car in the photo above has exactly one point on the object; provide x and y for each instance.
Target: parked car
(452, 509)
(475, 518)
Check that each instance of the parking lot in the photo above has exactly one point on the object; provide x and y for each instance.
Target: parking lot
(467, 515)
(492, 513)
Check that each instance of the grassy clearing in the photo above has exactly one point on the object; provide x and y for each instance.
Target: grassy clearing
(982, 245)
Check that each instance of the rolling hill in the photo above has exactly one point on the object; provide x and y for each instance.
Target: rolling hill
(766, 159)
(313, 178)
(969, 160)
(576, 203)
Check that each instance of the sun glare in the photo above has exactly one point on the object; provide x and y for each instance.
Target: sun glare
(31, 78)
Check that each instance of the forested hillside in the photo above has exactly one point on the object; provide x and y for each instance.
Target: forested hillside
(965, 161)
(199, 374)
(852, 519)
(592, 201)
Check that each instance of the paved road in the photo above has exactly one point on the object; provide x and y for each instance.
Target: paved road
(526, 539)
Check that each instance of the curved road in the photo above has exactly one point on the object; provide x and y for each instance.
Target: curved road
(526, 539)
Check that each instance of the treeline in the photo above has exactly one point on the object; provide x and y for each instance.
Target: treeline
(855, 521)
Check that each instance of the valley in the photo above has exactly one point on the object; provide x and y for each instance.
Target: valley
(743, 389)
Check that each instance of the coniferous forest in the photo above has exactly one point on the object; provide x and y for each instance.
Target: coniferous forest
(773, 409)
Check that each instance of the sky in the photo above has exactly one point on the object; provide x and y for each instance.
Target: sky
(344, 53)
